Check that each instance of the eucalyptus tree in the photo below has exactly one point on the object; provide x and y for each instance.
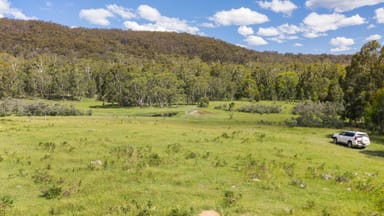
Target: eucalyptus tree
(364, 76)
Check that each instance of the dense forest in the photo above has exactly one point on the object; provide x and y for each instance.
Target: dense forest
(46, 60)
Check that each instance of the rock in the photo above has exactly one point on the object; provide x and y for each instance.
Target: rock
(326, 176)
(96, 163)
(209, 213)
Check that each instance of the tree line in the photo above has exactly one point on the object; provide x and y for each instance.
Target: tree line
(166, 80)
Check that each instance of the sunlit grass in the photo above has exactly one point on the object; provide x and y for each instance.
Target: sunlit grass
(183, 164)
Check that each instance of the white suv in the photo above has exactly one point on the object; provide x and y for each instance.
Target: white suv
(352, 139)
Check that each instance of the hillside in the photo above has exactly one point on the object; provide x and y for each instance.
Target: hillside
(28, 38)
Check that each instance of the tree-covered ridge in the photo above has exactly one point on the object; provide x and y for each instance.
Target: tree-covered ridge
(28, 38)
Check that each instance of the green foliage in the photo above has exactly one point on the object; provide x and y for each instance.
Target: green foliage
(374, 112)
(6, 201)
(52, 192)
(365, 76)
(203, 102)
(182, 165)
(260, 109)
(24, 108)
(181, 212)
(139, 69)
(231, 199)
(317, 114)
(286, 85)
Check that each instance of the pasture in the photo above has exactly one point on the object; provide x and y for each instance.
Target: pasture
(137, 161)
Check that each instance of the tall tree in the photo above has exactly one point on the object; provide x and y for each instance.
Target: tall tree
(364, 76)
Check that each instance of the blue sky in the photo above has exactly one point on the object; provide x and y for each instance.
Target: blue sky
(284, 26)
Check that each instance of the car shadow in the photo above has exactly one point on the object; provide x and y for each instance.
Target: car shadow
(373, 153)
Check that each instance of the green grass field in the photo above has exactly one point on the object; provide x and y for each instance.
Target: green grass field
(122, 161)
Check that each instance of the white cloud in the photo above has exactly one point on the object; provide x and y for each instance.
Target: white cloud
(146, 27)
(240, 17)
(208, 25)
(371, 26)
(289, 29)
(341, 44)
(121, 11)
(297, 45)
(148, 13)
(96, 16)
(255, 40)
(279, 6)
(153, 20)
(283, 38)
(318, 24)
(281, 33)
(341, 5)
(159, 22)
(245, 30)
(379, 15)
(373, 37)
(165, 24)
(7, 10)
(270, 31)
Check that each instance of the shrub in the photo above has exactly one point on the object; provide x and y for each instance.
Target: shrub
(22, 108)
(6, 201)
(181, 212)
(52, 192)
(292, 122)
(231, 199)
(204, 102)
(222, 107)
(317, 114)
(260, 109)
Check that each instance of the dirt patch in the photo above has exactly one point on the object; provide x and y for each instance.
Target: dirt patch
(209, 213)
(198, 112)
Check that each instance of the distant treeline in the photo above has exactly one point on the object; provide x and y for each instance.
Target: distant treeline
(46, 60)
(166, 80)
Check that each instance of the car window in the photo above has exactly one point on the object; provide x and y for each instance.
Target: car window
(350, 134)
(362, 135)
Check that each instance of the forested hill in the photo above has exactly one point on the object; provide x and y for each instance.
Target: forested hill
(28, 38)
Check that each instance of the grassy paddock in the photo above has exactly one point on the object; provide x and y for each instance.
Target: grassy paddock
(119, 161)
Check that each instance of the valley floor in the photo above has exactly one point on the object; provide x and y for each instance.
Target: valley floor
(123, 161)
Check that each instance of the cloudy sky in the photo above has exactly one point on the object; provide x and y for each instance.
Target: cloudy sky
(285, 26)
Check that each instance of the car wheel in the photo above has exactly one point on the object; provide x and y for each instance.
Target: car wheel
(349, 144)
(335, 140)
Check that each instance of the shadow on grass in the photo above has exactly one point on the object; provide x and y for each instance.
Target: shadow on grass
(107, 106)
(373, 153)
(377, 139)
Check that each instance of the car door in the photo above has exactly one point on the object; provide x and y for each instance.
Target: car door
(343, 137)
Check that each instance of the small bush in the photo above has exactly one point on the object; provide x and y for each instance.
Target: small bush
(23, 108)
(231, 199)
(292, 122)
(6, 201)
(52, 192)
(41, 176)
(204, 102)
(317, 114)
(181, 212)
(260, 109)
(222, 107)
